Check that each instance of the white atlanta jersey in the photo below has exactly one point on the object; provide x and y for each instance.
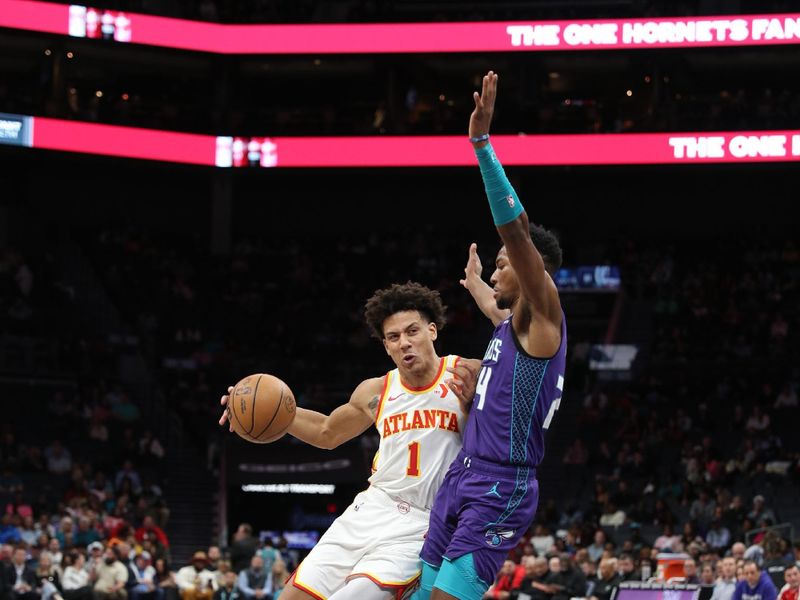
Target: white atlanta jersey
(380, 535)
(420, 431)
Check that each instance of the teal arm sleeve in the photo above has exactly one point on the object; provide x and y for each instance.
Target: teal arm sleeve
(503, 199)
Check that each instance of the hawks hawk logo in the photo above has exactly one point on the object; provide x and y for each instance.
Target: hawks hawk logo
(494, 537)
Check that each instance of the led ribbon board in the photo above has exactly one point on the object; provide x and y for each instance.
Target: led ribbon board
(398, 151)
(517, 36)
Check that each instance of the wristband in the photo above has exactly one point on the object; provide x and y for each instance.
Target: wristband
(479, 138)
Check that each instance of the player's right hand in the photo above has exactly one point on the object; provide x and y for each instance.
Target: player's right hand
(481, 117)
(474, 268)
(225, 414)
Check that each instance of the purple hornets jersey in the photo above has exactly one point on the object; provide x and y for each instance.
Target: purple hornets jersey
(515, 400)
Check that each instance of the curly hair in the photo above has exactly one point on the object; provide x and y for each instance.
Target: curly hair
(547, 244)
(399, 297)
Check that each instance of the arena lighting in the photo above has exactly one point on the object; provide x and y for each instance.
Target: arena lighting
(595, 34)
(290, 488)
(398, 151)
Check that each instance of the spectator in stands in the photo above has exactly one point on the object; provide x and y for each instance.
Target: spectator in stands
(668, 541)
(75, 582)
(760, 511)
(718, 536)
(214, 557)
(59, 460)
(737, 551)
(690, 571)
(229, 590)
(86, 534)
(269, 554)
(126, 558)
(612, 515)
(589, 570)
(775, 562)
(792, 587)
(244, 546)
(608, 580)
(735, 512)
(21, 578)
(95, 550)
(532, 584)
(131, 474)
(597, 546)
(707, 582)
(195, 581)
(9, 532)
(756, 584)
(48, 582)
(690, 536)
(66, 532)
(726, 582)
(223, 567)
(627, 568)
(280, 574)
(569, 581)
(542, 540)
(702, 509)
(165, 579)
(144, 574)
(255, 582)
(112, 575)
(149, 526)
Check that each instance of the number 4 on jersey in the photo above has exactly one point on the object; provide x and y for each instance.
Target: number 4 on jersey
(483, 382)
(556, 403)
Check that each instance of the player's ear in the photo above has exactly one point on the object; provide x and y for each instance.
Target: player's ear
(386, 346)
(434, 332)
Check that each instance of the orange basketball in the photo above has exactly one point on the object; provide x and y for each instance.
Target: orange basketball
(260, 408)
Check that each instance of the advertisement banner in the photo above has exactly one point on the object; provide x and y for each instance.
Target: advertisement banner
(393, 38)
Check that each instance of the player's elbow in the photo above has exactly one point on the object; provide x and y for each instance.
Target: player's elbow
(327, 439)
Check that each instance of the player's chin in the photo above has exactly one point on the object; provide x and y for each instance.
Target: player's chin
(409, 361)
(502, 303)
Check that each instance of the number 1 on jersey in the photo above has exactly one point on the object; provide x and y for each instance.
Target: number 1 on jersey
(413, 460)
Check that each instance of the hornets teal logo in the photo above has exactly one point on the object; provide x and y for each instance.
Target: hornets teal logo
(494, 537)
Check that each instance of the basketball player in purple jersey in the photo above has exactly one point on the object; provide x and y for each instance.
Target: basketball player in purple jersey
(489, 495)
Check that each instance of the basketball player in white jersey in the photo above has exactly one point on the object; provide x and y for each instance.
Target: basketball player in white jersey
(371, 552)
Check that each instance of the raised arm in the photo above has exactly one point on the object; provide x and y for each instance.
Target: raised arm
(343, 424)
(536, 287)
(480, 291)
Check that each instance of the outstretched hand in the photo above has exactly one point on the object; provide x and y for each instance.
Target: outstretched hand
(481, 117)
(226, 413)
(474, 268)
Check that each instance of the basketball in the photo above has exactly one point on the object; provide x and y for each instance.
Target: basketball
(261, 408)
